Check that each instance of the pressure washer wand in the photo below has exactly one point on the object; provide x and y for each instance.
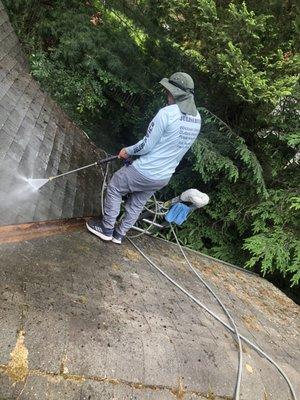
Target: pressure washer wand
(103, 161)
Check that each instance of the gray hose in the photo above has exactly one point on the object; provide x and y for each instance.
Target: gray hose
(233, 330)
(240, 362)
(260, 351)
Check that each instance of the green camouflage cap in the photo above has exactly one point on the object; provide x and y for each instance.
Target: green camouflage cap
(181, 86)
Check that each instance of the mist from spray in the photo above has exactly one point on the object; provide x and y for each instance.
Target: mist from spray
(36, 184)
(20, 191)
(17, 196)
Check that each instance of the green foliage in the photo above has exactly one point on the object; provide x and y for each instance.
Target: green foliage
(102, 60)
(69, 88)
(218, 136)
(82, 55)
(275, 250)
(275, 234)
(210, 162)
(295, 203)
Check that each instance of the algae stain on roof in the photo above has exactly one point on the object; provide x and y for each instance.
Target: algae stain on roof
(251, 322)
(17, 368)
(131, 255)
(179, 392)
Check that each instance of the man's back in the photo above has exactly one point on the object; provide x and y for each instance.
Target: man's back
(170, 135)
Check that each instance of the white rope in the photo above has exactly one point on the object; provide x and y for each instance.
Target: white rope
(152, 223)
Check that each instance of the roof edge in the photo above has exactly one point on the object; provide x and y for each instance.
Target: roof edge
(34, 230)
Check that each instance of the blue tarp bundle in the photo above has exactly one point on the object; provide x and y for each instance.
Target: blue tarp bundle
(178, 213)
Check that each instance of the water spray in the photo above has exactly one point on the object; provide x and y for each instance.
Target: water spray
(38, 183)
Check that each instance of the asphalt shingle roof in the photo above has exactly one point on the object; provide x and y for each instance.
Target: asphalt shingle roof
(94, 320)
(38, 140)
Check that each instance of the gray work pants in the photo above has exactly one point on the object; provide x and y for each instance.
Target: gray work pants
(128, 180)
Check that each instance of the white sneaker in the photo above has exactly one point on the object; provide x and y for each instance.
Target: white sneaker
(117, 237)
(98, 229)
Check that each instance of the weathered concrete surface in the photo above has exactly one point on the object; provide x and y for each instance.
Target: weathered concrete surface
(82, 319)
(38, 140)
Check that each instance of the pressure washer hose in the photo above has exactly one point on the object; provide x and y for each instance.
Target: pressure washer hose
(237, 388)
(240, 364)
(259, 350)
(232, 329)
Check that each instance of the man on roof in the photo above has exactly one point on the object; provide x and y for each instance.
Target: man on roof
(170, 134)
